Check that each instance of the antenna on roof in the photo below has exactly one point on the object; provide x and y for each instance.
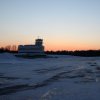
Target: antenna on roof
(38, 37)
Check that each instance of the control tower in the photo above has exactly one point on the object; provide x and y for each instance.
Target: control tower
(39, 42)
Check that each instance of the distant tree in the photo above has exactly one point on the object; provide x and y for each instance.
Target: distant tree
(8, 48)
(1, 50)
(14, 48)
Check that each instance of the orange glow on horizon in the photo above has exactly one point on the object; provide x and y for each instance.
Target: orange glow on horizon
(56, 46)
(69, 48)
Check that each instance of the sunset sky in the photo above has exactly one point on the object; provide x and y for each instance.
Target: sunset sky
(63, 24)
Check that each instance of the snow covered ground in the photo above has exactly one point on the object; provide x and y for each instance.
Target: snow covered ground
(61, 78)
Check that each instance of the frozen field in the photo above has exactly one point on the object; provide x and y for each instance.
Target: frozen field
(61, 78)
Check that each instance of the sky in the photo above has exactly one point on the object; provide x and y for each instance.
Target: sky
(62, 24)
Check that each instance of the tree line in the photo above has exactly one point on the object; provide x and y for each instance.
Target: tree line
(9, 48)
(84, 53)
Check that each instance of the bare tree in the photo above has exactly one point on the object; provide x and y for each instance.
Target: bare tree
(8, 47)
(14, 48)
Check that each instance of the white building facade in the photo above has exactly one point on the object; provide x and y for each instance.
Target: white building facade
(37, 49)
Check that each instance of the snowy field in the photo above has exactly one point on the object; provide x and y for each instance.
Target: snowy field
(60, 78)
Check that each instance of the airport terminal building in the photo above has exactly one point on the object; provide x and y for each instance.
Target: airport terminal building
(37, 49)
